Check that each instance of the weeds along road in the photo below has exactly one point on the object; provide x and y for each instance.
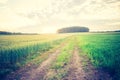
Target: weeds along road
(75, 71)
(67, 62)
(80, 68)
(37, 73)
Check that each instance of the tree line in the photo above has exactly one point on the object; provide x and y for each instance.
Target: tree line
(14, 33)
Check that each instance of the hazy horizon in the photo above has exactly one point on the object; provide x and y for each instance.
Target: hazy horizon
(37, 16)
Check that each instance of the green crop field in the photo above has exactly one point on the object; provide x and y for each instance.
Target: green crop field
(16, 49)
(102, 49)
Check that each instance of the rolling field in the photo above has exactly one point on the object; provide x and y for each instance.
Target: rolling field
(16, 50)
(80, 56)
(103, 51)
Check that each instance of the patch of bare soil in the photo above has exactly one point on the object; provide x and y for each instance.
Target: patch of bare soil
(92, 73)
(38, 74)
(34, 72)
(80, 71)
(75, 71)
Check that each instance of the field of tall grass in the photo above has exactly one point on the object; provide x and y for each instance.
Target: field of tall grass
(16, 49)
(104, 51)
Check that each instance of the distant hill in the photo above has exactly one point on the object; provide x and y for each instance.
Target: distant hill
(73, 29)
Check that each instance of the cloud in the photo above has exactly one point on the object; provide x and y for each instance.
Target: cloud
(3, 1)
(53, 14)
(83, 9)
(28, 6)
(9, 20)
(111, 1)
(96, 9)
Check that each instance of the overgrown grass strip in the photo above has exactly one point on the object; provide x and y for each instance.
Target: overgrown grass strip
(60, 67)
(13, 58)
(103, 50)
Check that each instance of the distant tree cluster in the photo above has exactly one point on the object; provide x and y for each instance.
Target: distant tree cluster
(5, 33)
(117, 31)
(73, 29)
(10, 33)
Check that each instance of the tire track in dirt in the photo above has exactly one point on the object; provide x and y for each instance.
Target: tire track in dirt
(75, 71)
(79, 71)
(92, 73)
(37, 73)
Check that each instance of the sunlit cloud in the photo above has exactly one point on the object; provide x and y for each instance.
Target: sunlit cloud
(3, 1)
(44, 16)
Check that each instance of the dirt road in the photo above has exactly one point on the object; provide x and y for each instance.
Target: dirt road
(36, 72)
(76, 71)
(79, 66)
(82, 69)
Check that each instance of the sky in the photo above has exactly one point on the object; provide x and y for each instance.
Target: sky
(46, 16)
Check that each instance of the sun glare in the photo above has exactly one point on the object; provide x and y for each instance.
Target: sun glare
(49, 30)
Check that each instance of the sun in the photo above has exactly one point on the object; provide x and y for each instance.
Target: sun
(49, 30)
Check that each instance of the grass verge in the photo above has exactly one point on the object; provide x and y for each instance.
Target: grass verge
(59, 68)
(15, 58)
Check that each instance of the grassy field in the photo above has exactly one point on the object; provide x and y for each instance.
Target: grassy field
(15, 50)
(103, 50)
